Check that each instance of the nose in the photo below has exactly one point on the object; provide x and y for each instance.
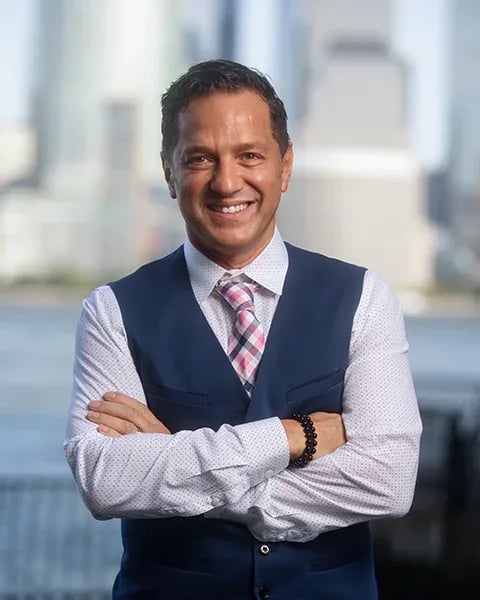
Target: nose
(226, 178)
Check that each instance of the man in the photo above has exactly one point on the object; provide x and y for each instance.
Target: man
(190, 375)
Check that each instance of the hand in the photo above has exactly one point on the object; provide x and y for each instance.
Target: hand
(330, 434)
(117, 415)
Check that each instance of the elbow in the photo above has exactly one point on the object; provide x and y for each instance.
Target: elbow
(94, 497)
(399, 503)
(403, 473)
(392, 477)
(402, 488)
(102, 495)
(94, 486)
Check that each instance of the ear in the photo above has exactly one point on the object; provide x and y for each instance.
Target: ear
(167, 171)
(287, 165)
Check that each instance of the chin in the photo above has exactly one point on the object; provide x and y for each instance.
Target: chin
(237, 243)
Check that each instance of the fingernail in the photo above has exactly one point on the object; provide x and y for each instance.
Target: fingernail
(109, 395)
(95, 404)
(92, 414)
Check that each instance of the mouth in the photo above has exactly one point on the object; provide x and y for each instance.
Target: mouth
(231, 209)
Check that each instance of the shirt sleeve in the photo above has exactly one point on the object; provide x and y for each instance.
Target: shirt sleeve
(154, 475)
(373, 475)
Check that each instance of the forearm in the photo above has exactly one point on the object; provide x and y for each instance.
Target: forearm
(358, 482)
(159, 475)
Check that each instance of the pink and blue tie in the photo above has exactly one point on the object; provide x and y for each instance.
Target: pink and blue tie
(247, 341)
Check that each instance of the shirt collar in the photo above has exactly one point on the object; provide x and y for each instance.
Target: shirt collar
(268, 269)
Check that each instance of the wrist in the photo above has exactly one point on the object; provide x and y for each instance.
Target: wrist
(310, 440)
(295, 438)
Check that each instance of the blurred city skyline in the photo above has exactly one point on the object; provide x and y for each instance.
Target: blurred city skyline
(383, 107)
(420, 35)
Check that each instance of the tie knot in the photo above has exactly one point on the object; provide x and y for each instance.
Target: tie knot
(239, 294)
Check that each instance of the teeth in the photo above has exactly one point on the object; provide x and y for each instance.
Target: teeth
(230, 209)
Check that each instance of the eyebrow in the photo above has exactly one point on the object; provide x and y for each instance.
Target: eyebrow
(246, 146)
(196, 148)
(250, 146)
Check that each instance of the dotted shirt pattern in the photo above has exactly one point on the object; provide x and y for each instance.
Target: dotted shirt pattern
(240, 472)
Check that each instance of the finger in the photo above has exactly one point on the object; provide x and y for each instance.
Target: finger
(114, 409)
(108, 431)
(125, 400)
(132, 410)
(120, 425)
(122, 406)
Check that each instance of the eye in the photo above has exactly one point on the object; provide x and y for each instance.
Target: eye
(198, 160)
(251, 156)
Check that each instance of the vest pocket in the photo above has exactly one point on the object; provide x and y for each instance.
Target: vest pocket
(324, 393)
(164, 393)
(178, 409)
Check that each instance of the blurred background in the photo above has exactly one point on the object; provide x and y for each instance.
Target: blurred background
(383, 98)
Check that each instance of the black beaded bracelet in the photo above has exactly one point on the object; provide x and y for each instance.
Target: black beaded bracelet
(310, 440)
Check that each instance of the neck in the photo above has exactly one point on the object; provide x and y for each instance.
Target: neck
(237, 261)
(227, 261)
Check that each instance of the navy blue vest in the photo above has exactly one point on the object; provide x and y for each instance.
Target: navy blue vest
(190, 383)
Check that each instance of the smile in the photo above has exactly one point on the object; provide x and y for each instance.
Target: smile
(231, 209)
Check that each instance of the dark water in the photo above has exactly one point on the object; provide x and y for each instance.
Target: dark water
(36, 354)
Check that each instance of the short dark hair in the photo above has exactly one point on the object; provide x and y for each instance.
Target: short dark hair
(214, 76)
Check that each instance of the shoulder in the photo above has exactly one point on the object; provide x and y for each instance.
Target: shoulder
(324, 266)
(100, 313)
(150, 285)
(150, 272)
(378, 296)
(106, 304)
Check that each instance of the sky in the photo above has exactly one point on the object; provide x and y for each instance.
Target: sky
(420, 35)
(17, 30)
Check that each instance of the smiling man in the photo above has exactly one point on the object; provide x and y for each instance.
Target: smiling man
(228, 171)
(245, 406)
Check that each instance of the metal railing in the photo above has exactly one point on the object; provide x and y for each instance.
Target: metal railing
(51, 548)
(435, 552)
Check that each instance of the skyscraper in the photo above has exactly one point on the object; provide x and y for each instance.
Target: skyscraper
(357, 191)
(464, 159)
(102, 68)
(94, 52)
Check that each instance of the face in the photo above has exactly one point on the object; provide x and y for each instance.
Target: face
(227, 174)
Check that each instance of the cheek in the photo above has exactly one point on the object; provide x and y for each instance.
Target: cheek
(191, 186)
(272, 187)
(266, 183)
(189, 203)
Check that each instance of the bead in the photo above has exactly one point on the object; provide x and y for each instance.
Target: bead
(310, 440)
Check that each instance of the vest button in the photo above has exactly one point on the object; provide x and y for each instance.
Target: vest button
(264, 593)
(264, 549)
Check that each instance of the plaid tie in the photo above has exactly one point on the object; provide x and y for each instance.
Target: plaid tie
(247, 341)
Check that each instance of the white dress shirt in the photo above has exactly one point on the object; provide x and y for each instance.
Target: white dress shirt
(240, 473)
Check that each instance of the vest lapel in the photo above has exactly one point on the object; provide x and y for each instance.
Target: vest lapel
(197, 323)
(280, 336)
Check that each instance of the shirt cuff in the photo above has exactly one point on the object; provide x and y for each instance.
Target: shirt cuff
(267, 448)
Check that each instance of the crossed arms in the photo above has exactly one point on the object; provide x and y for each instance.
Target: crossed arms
(240, 473)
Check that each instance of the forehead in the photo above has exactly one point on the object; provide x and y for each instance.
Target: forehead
(224, 115)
